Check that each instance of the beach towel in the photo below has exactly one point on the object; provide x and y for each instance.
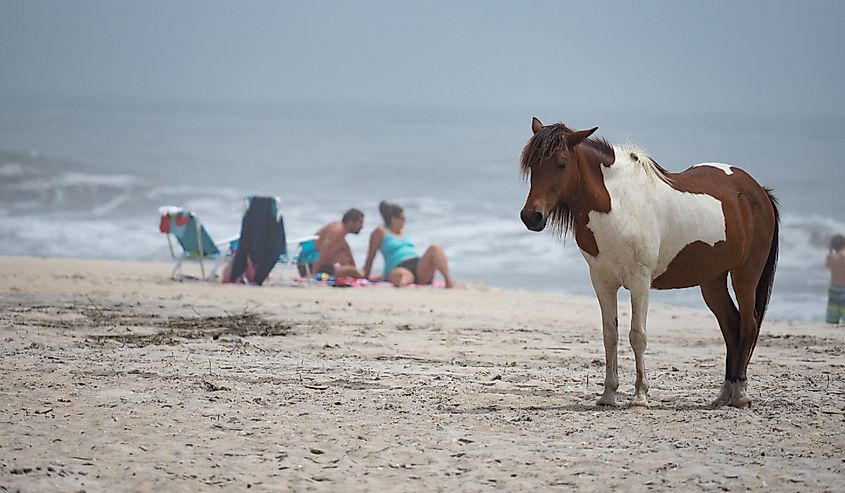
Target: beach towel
(324, 279)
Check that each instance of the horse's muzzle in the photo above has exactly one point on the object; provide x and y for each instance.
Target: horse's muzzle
(533, 220)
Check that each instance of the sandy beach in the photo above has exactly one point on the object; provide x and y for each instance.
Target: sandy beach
(115, 378)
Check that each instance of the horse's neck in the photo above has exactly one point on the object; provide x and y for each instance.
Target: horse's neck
(592, 193)
(613, 182)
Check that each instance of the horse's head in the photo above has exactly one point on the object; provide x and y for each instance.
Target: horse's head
(551, 160)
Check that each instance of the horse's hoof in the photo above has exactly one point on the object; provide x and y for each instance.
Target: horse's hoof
(740, 399)
(640, 402)
(725, 394)
(741, 402)
(720, 402)
(607, 400)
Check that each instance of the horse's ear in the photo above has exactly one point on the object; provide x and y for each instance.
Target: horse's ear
(575, 138)
(536, 125)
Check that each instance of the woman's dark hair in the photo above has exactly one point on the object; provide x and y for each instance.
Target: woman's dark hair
(389, 211)
(837, 242)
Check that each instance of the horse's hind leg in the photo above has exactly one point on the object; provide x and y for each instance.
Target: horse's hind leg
(718, 299)
(745, 287)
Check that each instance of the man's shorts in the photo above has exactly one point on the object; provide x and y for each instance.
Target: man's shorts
(835, 304)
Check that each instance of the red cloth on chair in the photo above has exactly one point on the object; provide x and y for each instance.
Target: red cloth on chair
(164, 226)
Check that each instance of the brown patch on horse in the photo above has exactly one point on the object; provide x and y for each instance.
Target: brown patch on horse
(686, 270)
(743, 212)
(592, 194)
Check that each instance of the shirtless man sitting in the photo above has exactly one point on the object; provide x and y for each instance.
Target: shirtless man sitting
(335, 255)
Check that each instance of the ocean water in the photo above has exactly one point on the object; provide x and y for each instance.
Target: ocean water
(86, 180)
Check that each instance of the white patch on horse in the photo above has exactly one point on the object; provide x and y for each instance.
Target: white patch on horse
(722, 166)
(649, 222)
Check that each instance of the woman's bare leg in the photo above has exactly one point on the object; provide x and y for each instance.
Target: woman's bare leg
(434, 260)
(400, 276)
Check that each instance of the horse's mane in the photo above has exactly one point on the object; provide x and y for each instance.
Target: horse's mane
(650, 166)
(539, 148)
(548, 140)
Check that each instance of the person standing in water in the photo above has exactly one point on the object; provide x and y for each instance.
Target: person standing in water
(836, 294)
(402, 264)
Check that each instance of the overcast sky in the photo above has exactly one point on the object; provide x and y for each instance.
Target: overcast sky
(773, 56)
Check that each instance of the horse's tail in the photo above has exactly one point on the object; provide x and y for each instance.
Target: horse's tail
(767, 278)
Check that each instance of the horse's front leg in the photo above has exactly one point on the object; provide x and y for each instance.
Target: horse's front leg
(606, 293)
(637, 336)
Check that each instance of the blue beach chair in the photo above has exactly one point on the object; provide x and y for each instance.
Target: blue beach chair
(304, 254)
(195, 241)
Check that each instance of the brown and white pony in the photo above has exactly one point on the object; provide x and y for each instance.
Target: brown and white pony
(641, 227)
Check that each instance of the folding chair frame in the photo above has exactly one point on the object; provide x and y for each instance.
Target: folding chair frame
(219, 259)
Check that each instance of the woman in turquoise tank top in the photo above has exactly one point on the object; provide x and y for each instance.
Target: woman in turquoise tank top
(402, 264)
